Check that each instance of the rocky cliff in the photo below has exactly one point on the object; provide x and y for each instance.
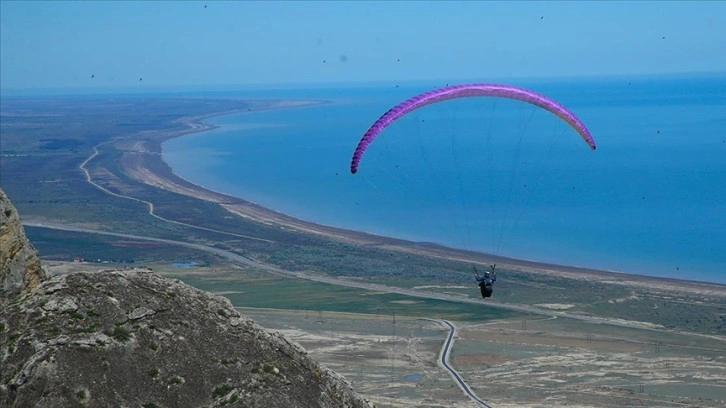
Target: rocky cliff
(20, 268)
(135, 339)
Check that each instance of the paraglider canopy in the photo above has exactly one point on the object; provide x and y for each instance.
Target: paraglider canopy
(463, 91)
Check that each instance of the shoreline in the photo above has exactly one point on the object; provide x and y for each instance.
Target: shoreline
(142, 161)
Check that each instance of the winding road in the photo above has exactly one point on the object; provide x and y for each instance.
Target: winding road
(444, 363)
(149, 204)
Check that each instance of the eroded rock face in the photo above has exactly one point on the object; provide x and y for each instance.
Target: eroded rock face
(133, 338)
(20, 268)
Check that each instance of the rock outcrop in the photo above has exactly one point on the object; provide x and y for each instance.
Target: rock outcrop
(132, 338)
(20, 268)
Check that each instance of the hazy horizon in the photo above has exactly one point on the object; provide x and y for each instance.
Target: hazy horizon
(140, 45)
(210, 90)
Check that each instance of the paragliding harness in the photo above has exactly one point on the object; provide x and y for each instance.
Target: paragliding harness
(486, 282)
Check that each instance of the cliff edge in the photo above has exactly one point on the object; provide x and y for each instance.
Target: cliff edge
(20, 268)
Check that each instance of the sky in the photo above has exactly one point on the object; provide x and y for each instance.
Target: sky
(92, 44)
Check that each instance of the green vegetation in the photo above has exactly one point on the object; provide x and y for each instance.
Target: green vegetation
(264, 291)
(221, 390)
(76, 315)
(153, 372)
(106, 250)
(14, 337)
(248, 287)
(82, 395)
(119, 333)
(89, 329)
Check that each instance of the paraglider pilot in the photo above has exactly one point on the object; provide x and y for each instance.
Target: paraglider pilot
(486, 282)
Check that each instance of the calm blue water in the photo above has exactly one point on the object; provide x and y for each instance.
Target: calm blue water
(496, 175)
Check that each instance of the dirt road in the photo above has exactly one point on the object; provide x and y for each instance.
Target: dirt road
(233, 257)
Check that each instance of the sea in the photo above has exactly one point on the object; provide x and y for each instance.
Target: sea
(491, 174)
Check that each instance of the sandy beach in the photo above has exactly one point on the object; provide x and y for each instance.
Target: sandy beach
(142, 160)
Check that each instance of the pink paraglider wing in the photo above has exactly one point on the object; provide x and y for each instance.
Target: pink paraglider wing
(462, 91)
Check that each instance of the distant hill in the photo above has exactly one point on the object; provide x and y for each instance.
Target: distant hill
(133, 338)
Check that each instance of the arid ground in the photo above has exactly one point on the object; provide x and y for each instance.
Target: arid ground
(525, 361)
